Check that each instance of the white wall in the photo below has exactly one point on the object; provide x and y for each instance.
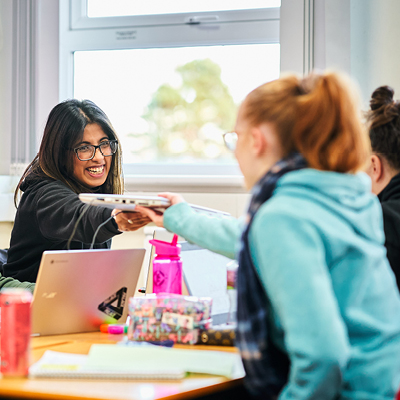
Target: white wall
(47, 64)
(332, 40)
(5, 231)
(375, 53)
(361, 38)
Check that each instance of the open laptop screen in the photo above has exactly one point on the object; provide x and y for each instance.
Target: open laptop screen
(205, 275)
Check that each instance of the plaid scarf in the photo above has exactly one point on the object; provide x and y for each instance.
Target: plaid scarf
(266, 366)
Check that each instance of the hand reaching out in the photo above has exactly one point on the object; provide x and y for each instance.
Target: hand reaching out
(156, 217)
(130, 221)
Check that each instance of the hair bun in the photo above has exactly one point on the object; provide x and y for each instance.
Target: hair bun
(381, 96)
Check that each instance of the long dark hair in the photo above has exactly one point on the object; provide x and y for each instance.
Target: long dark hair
(64, 128)
(384, 125)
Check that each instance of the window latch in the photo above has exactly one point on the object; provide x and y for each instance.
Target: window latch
(195, 20)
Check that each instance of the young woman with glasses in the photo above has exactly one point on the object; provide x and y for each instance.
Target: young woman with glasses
(318, 312)
(79, 153)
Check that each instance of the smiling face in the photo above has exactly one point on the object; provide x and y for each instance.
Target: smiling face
(94, 172)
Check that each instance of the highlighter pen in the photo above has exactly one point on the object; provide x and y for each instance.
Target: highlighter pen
(115, 329)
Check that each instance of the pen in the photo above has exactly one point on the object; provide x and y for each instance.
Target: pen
(165, 343)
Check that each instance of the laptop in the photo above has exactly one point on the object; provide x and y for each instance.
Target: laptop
(204, 275)
(77, 290)
(128, 202)
(123, 201)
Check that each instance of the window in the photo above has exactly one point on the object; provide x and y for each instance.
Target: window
(170, 82)
(105, 8)
(178, 114)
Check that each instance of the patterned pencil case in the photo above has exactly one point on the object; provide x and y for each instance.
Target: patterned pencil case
(169, 317)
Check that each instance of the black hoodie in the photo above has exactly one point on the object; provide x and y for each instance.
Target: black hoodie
(390, 201)
(45, 220)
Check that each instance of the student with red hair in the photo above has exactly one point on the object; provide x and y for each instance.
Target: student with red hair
(318, 306)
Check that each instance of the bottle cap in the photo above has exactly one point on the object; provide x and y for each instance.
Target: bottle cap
(166, 248)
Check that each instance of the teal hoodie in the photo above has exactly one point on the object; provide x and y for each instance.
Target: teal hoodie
(317, 245)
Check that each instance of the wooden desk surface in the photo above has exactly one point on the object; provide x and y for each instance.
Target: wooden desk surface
(192, 387)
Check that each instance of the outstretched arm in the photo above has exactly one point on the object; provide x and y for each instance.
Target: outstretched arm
(218, 234)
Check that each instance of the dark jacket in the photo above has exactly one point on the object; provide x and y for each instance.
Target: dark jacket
(45, 220)
(390, 201)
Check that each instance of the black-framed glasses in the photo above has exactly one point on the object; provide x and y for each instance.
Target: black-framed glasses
(87, 151)
(230, 139)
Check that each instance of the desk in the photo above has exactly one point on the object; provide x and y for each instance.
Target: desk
(188, 388)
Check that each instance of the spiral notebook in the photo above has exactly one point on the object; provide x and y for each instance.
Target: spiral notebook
(59, 365)
(143, 362)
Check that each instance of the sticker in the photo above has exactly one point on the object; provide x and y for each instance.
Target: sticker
(178, 320)
(113, 306)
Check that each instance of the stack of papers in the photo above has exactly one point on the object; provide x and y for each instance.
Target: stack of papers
(120, 362)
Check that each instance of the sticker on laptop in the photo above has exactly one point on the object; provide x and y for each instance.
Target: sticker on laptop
(114, 305)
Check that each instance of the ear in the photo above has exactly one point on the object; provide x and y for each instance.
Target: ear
(259, 141)
(376, 168)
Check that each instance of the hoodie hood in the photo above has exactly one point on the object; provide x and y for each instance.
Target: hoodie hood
(349, 196)
(33, 180)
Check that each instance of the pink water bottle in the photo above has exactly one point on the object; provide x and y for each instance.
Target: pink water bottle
(167, 267)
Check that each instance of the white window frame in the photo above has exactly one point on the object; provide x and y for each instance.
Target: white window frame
(80, 20)
(78, 32)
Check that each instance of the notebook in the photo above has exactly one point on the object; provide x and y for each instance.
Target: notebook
(59, 365)
(106, 361)
(77, 290)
